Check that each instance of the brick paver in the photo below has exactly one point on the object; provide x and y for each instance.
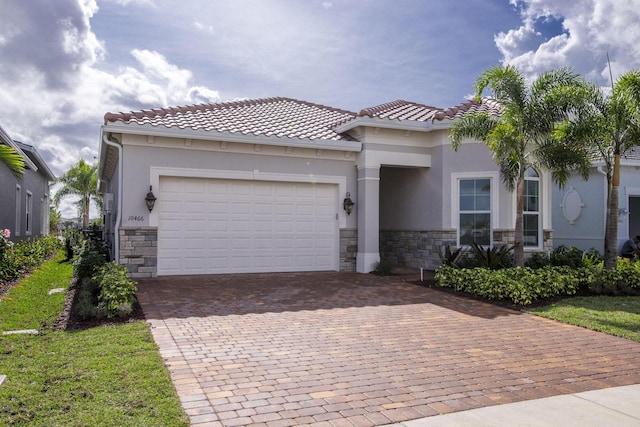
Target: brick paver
(342, 349)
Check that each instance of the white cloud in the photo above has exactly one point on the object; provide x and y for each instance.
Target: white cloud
(205, 28)
(591, 30)
(55, 96)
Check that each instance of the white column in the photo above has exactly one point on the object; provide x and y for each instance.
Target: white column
(368, 218)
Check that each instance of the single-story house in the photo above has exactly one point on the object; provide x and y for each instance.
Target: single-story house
(278, 185)
(579, 209)
(24, 206)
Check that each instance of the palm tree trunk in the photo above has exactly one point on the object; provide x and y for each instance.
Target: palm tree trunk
(85, 213)
(518, 251)
(611, 230)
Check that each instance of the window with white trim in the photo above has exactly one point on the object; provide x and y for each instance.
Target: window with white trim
(531, 211)
(44, 209)
(474, 211)
(18, 209)
(28, 213)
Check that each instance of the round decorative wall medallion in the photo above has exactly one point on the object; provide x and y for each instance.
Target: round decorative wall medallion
(571, 205)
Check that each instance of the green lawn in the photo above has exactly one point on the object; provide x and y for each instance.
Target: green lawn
(103, 376)
(614, 315)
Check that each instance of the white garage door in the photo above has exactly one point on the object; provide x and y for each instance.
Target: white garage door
(209, 226)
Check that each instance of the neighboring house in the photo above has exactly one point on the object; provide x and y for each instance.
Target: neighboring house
(24, 203)
(260, 185)
(579, 209)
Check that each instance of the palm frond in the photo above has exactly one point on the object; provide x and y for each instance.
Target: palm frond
(12, 160)
(477, 126)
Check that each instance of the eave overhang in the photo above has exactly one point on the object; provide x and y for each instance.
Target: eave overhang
(324, 144)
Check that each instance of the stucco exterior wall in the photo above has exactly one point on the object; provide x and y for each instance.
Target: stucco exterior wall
(33, 182)
(138, 161)
(8, 197)
(587, 230)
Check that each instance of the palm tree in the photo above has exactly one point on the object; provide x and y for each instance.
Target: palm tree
(521, 136)
(610, 125)
(12, 160)
(81, 180)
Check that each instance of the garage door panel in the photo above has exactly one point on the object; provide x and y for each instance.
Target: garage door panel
(226, 226)
(323, 226)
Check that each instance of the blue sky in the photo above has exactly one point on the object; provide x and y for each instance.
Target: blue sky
(65, 63)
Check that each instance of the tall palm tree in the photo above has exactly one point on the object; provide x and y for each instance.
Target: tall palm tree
(81, 180)
(521, 136)
(12, 160)
(610, 125)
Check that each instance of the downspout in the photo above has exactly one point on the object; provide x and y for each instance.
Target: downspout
(116, 231)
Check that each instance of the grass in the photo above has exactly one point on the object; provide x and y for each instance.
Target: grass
(618, 316)
(102, 376)
(28, 304)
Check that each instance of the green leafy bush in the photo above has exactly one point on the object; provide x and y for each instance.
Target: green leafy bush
(88, 260)
(571, 257)
(620, 281)
(521, 285)
(116, 291)
(383, 268)
(86, 304)
(451, 258)
(493, 258)
(18, 258)
(526, 285)
(538, 260)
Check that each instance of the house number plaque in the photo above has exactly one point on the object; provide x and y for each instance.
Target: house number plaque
(136, 218)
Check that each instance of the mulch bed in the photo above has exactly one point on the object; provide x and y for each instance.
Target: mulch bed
(68, 318)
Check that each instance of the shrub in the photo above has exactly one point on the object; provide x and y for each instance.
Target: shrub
(493, 258)
(116, 291)
(620, 281)
(18, 258)
(383, 268)
(88, 260)
(86, 305)
(452, 259)
(571, 257)
(72, 242)
(538, 260)
(521, 285)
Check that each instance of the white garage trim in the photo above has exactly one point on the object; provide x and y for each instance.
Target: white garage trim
(341, 181)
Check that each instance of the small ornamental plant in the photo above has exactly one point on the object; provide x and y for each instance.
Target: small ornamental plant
(5, 244)
(6, 248)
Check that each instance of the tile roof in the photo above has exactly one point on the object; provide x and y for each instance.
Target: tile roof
(406, 110)
(275, 117)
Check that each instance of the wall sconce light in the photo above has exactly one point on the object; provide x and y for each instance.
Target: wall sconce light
(348, 204)
(150, 200)
(623, 211)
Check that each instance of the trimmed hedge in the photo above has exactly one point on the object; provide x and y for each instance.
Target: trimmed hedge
(524, 285)
(24, 256)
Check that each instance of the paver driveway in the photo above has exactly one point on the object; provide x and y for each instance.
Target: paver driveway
(355, 349)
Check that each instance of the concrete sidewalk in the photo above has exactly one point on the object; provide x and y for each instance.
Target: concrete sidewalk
(617, 406)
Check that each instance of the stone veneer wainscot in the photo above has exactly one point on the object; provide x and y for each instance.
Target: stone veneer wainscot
(139, 251)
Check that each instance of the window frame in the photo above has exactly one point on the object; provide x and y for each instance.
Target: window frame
(18, 224)
(28, 211)
(538, 213)
(494, 181)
